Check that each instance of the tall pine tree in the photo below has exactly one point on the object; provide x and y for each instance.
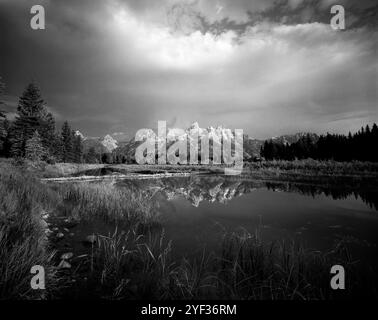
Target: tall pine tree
(67, 143)
(91, 156)
(32, 116)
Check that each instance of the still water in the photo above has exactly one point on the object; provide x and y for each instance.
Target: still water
(195, 211)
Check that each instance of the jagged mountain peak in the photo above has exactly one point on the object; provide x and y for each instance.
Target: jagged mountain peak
(79, 134)
(293, 138)
(194, 126)
(109, 143)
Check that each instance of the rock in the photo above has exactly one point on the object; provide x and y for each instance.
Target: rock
(91, 239)
(66, 230)
(66, 256)
(44, 214)
(48, 232)
(71, 234)
(55, 229)
(43, 224)
(59, 235)
(64, 265)
(70, 223)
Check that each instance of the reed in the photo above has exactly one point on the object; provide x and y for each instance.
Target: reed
(23, 243)
(135, 266)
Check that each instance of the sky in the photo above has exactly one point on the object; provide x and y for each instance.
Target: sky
(269, 67)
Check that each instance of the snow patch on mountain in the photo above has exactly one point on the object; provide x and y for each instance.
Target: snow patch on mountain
(79, 134)
(109, 143)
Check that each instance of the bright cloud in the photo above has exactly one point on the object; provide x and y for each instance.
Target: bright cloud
(159, 47)
(131, 63)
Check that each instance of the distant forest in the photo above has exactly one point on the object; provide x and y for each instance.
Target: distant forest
(360, 146)
(32, 135)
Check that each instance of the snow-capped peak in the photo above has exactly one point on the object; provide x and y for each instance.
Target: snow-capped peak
(79, 134)
(109, 142)
(194, 126)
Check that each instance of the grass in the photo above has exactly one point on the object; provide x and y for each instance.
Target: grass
(84, 201)
(303, 171)
(356, 173)
(137, 263)
(297, 170)
(23, 243)
(136, 266)
(328, 167)
(66, 169)
(253, 270)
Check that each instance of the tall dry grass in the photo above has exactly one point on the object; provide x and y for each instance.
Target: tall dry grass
(23, 243)
(85, 200)
(138, 263)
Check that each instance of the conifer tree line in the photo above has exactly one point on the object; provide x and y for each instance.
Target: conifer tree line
(361, 146)
(33, 135)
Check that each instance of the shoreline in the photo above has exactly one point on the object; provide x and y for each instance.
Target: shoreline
(116, 176)
(302, 171)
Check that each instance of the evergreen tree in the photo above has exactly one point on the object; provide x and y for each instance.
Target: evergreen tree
(5, 141)
(360, 146)
(47, 132)
(31, 116)
(57, 150)
(34, 149)
(67, 143)
(91, 156)
(107, 158)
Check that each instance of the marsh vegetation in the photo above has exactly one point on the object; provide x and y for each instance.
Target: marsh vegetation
(136, 259)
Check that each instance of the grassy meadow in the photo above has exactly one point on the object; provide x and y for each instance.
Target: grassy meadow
(135, 261)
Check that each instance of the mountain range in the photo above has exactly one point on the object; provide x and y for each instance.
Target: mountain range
(106, 144)
(122, 146)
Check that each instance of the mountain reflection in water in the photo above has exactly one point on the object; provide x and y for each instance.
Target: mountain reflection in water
(195, 211)
(223, 189)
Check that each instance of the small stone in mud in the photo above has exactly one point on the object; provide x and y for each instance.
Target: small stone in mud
(66, 256)
(66, 230)
(44, 214)
(55, 229)
(48, 232)
(70, 223)
(90, 239)
(59, 235)
(43, 224)
(64, 265)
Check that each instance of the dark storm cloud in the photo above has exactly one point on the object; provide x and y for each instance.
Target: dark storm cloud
(122, 65)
